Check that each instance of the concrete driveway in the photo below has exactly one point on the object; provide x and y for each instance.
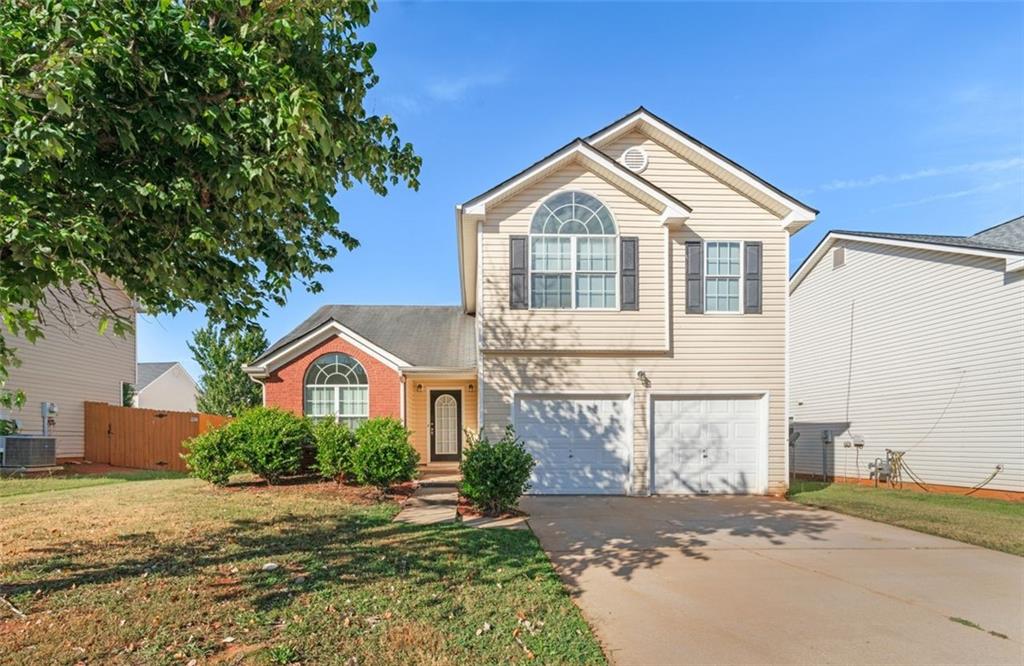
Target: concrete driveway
(759, 580)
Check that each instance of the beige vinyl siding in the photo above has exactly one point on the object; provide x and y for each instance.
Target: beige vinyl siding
(723, 354)
(914, 350)
(417, 409)
(69, 367)
(534, 329)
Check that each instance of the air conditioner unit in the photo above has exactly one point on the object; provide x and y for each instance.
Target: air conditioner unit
(27, 451)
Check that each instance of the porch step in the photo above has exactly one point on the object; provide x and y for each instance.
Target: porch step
(430, 505)
(440, 476)
(451, 481)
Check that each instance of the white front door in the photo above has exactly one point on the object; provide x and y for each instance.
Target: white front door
(707, 445)
(582, 444)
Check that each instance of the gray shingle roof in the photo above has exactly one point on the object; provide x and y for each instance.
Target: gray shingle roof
(1009, 233)
(1002, 242)
(435, 336)
(145, 373)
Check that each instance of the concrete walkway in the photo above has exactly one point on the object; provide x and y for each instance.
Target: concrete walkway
(732, 580)
(436, 500)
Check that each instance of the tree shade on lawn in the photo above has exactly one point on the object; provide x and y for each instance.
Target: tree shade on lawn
(183, 575)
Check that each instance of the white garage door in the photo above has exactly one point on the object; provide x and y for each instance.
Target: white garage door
(707, 445)
(582, 444)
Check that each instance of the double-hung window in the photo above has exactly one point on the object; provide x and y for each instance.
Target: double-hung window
(573, 254)
(722, 276)
(337, 388)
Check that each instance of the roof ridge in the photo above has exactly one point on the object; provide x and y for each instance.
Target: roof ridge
(643, 109)
(389, 305)
(996, 226)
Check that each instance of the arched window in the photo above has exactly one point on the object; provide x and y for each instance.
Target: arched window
(336, 387)
(573, 254)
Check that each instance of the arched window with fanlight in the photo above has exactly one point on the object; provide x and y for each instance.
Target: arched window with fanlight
(336, 387)
(573, 254)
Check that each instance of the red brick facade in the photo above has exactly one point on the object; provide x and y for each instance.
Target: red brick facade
(285, 386)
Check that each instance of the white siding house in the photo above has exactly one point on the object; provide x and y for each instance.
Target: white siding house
(165, 386)
(69, 366)
(916, 344)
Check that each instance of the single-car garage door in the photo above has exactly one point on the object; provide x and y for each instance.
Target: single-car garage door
(707, 445)
(582, 444)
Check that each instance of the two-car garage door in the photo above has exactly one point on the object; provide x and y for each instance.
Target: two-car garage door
(584, 444)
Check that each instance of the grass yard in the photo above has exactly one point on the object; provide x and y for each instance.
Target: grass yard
(175, 570)
(10, 486)
(996, 524)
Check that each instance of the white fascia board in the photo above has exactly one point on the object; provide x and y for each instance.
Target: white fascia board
(465, 235)
(577, 150)
(1012, 262)
(324, 332)
(799, 215)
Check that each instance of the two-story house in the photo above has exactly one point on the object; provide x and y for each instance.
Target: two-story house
(624, 307)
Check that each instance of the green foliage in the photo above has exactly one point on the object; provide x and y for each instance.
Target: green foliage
(270, 442)
(212, 456)
(496, 474)
(335, 443)
(221, 353)
(383, 455)
(127, 394)
(188, 150)
(8, 426)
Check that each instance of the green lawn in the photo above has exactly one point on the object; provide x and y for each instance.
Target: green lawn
(10, 486)
(166, 571)
(991, 523)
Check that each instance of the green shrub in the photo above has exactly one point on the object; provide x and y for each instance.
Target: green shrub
(496, 474)
(270, 442)
(383, 455)
(212, 456)
(334, 446)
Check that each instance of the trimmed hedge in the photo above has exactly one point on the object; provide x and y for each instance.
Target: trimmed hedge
(335, 444)
(383, 455)
(212, 456)
(496, 474)
(270, 441)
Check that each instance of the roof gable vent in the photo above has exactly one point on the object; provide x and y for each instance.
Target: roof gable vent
(635, 159)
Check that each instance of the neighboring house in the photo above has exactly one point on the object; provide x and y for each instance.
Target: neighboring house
(72, 364)
(624, 306)
(912, 343)
(166, 386)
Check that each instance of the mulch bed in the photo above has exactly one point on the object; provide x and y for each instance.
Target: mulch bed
(467, 511)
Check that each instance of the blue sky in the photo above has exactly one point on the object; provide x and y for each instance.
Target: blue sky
(885, 117)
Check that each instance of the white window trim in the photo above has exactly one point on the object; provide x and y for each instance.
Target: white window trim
(574, 271)
(728, 313)
(337, 415)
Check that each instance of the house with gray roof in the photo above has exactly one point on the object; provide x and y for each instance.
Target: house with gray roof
(165, 385)
(912, 344)
(623, 307)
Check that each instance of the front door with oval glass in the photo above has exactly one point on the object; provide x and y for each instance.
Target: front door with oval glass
(445, 425)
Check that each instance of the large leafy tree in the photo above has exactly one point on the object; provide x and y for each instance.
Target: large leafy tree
(186, 149)
(220, 354)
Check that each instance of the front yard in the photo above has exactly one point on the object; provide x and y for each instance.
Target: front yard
(990, 523)
(175, 570)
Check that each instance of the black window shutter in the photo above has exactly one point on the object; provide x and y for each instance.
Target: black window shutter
(518, 291)
(752, 277)
(694, 277)
(629, 273)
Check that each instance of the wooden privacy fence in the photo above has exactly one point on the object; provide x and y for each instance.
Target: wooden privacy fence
(142, 438)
